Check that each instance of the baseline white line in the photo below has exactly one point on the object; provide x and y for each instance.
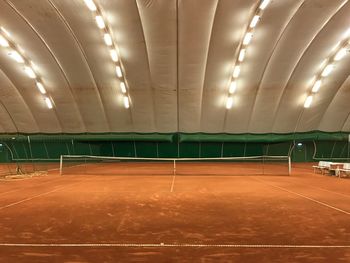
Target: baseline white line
(168, 245)
(306, 197)
(172, 184)
(35, 196)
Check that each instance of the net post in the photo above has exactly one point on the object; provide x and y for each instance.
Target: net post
(61, 164)
(289, 166)
(174, 167)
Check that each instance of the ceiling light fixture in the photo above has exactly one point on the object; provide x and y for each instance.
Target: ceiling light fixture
(308, 101)
(247, 38)
(123, 87)
(340, 54)
(118, 70)
(229, 103)
(41, 88)
(126, 102)
(233, 87)
(3, 42)
(236, 72)
(16, 56)
(264, 4)
(114, 55)
(91, 5)
(255, 21)
(327, 70)
(48, 102)
(316, 87)
(241, 55)
(108, 39)
(100, 22)
(30, 72)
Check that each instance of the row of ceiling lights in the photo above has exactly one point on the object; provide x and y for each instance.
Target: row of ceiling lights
(16, 53)
(113, 50)
(328, 66)
(242, 53)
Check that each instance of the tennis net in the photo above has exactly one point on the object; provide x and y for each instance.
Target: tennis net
(103, 165)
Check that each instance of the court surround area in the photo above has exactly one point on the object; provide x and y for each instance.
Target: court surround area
(163, 218)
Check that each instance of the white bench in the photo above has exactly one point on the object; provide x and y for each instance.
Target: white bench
(335, 168)
(322, 166)
(345, 170)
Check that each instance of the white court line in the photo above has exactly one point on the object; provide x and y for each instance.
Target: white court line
(35, 196)
(168, 245)
(306, 197)
(172, 184)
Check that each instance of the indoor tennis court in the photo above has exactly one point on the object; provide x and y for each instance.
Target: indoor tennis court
(174, 131)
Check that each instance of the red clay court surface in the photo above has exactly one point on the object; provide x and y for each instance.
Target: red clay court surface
(87, 218)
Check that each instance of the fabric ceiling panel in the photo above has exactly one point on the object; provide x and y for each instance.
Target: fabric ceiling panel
(47, 120)
(37, 50)
(196, 20)
(124, 19)
(67, 53)
(327, 33)
(159, 26)
(6, 123)
(259, 88)
(226, 35)
(338, 110)
(16, 105)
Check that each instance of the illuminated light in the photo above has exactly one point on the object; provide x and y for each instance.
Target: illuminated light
(126, 102)
(236, 72)
(308, 102)
(30, 72)
(90, 4)
(316, 86)
(3, 41)
(114, 55)
(16, 56)
(229, 103)
(264, 4)
(255, 21)
(300, 144)
(327, 70)
(340, 54)
(41, 88)
(118, 70)
(48, 102)
(241, 55)
(100, 23)
(108, 39)
(247, 38)
(5, 31)
(233, 87)
(123, 87)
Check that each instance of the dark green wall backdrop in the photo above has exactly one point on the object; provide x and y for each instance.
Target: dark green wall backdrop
(50, 148)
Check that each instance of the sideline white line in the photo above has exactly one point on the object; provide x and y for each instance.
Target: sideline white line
(35, 196)
(169, 245)
(306, 197)
(172, 184)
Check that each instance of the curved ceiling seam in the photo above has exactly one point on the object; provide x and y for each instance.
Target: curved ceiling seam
(10, 116)
(22, 99)
(149, 68)
(84, 60)
(243, 46)
(206, 65)
(333, 98)
(345, 122)
(49, 50)
(28, 66)
(269, 60)
(299, 61)
(241, 51)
